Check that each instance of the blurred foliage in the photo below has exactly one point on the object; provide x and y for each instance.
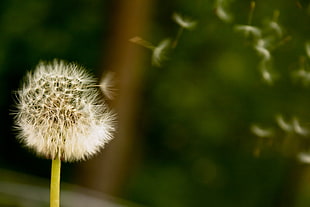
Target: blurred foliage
(197, 108)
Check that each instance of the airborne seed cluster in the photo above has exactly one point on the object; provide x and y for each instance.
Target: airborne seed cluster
(61, 113)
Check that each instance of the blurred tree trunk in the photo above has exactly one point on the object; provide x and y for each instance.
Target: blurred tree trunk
(109, 171)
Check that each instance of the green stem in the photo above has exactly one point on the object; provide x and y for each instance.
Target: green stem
(55, 183)
(252, 7)
(176, 40)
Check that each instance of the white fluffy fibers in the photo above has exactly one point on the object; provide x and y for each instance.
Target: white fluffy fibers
(61, 114)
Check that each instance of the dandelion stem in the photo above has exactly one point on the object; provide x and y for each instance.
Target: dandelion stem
(55, 183)
(142, 42)
(176, 40)
(252, 7)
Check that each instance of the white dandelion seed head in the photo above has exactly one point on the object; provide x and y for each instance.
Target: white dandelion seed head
(183, 22)
(60, 114)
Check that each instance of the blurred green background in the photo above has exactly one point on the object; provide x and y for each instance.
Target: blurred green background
(192, 140)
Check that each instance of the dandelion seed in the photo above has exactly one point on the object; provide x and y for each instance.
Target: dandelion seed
(265, 73)
(307, 47)
(283, 124)
(183, 22)
(247, 30)
(223, 15)
(261, 132)
(298, 128)
(159, 52)
(276, 27)
(302, 75)
(267, 76)
(304, 157)
(107, 85)
(142, 42)
(59, 115)
(261, 48)
(220, 10)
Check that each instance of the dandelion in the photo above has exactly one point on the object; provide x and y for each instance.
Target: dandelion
(60, 115)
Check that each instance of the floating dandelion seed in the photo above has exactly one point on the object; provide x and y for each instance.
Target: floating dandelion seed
(107, 85)
(304, 157)
(267, 77)
(159, 52)
(298, 128)
(220, 11)
(139, 41)
(183, 22)
(283, 124)
(261, 132)
(293, 126)
(302, 75)
(276, 27)
(223, 15)
(248, 29)
(261, 48)
(60, 113)
(307, 47)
